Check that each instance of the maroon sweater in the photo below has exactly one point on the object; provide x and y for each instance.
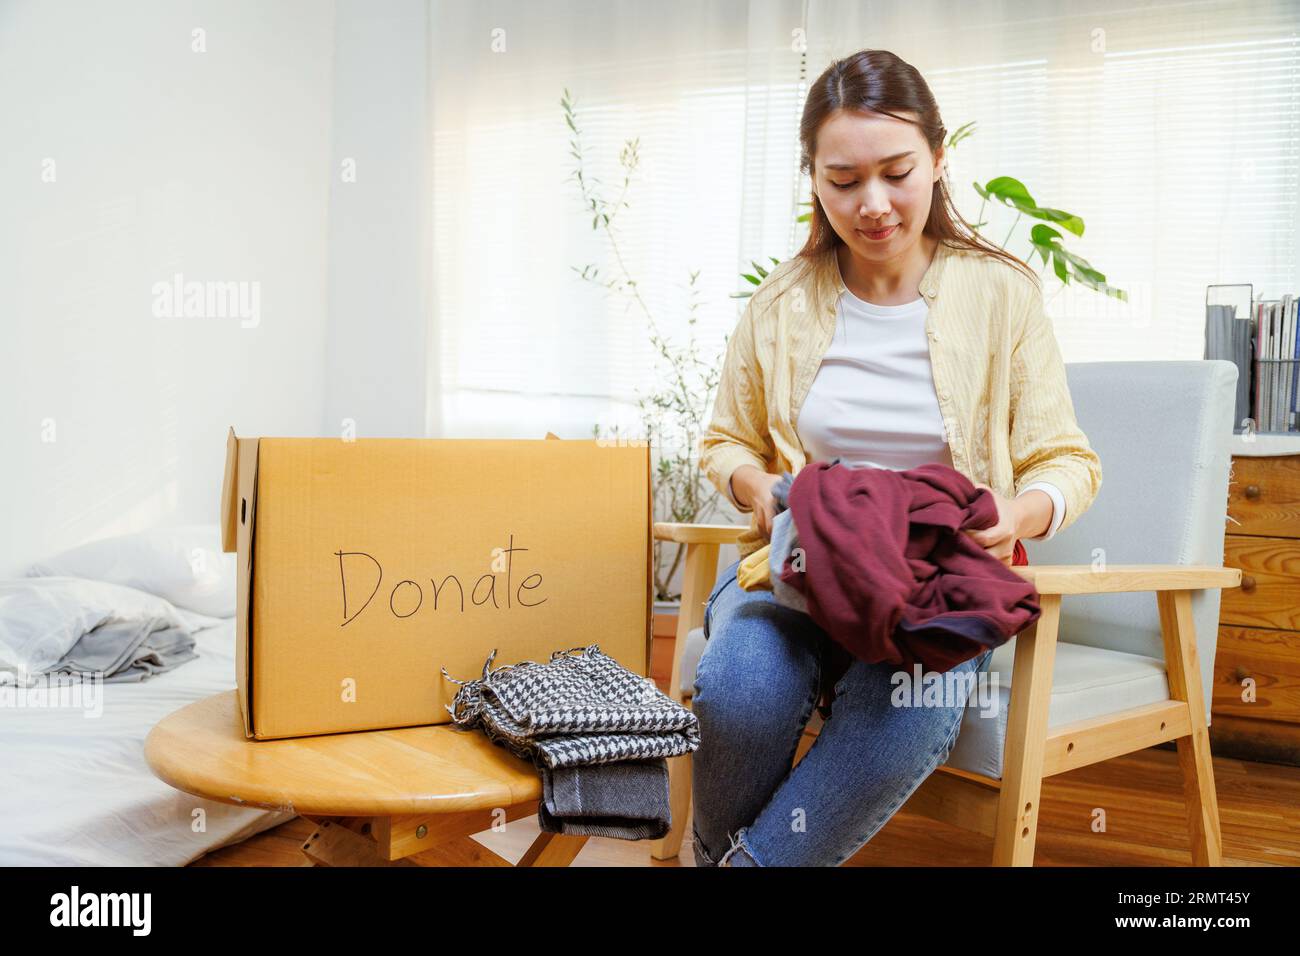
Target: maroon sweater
(887, 572)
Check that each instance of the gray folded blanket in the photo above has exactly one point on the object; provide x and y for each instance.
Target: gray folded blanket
(128, 651)
(599, 734)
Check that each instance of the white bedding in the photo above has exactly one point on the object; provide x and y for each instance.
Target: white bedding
(76, 791)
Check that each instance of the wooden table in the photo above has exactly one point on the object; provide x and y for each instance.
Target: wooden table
(405, 797)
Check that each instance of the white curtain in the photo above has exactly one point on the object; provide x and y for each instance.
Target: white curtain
(521, 345)
(1172, 129)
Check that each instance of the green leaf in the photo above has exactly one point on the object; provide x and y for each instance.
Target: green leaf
(962, 132)
(1046, 243)
(1007, 190)
(1011, 192)
(1066, 220)
(1044, 234)
(1058, 264)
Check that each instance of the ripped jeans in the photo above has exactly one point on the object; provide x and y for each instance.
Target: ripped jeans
(756, 685)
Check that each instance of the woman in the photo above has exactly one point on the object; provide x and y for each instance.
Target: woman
(895, 337)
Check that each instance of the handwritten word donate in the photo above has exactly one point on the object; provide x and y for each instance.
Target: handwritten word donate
(361, 578)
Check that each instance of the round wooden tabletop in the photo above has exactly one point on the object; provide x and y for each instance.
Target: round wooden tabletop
(201, 749)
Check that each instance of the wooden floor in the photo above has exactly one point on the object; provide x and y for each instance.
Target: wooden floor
(1259, 809)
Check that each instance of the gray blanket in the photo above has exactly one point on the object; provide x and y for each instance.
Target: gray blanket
(125, 651)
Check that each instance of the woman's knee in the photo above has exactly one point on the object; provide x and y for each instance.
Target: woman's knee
(756, 669)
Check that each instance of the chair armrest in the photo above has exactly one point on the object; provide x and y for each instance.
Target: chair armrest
(1085, 579)
(698, 533)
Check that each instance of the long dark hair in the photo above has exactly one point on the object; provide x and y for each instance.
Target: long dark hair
(879, 81)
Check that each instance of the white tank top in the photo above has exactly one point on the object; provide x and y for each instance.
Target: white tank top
(873, 401)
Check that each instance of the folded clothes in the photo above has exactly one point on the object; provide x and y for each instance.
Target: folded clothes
(128, 651)
(626, 800)
(599, 734)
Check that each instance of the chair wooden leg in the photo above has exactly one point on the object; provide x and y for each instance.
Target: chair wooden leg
(679, 792)
(1184, 669)
(698, 578)
(1022, 756)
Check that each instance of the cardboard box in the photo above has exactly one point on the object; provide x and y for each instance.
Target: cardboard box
(366, 566)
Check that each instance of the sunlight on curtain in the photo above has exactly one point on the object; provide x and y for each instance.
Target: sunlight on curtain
(521, 344)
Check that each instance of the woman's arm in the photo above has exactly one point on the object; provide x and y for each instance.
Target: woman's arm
(1046, 442)
(1038, 527)
(738, 433)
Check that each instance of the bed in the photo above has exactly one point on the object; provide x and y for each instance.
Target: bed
(77, 791)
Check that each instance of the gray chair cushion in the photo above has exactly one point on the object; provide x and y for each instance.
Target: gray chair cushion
(1086, 682)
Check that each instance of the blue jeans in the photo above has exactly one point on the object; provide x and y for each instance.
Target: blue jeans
(756, 686)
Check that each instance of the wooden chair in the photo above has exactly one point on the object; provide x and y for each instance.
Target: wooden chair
(1164, 492)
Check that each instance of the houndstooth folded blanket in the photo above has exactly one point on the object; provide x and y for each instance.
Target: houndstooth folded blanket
(598, 733)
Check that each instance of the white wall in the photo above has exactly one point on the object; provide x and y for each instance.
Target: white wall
(212, 164)
(375, 360)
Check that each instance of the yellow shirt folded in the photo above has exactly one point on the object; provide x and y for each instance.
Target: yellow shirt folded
(753, 573)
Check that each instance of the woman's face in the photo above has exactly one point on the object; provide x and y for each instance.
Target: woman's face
(874, 172)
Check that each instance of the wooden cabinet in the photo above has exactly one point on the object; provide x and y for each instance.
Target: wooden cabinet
(1256, 708)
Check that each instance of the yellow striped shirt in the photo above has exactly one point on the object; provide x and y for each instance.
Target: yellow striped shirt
(998, 377)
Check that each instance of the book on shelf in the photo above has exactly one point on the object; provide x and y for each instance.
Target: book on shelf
(1276, 354)
(1262, 341)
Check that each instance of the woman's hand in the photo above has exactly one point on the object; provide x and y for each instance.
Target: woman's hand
(753, 488)
(999, 539)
